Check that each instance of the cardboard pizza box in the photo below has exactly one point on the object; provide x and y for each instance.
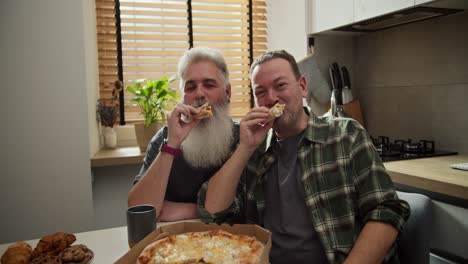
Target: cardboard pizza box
(178, 228)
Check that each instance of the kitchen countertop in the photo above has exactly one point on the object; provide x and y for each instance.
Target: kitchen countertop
(432, 174)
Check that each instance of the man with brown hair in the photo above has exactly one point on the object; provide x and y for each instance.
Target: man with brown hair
(316, 183)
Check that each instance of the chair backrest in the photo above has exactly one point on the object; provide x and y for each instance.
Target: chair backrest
(413, 241)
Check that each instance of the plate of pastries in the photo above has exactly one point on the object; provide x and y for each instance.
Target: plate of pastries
(55, 248)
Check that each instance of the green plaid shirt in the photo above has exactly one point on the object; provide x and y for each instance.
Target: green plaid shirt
(344, 181)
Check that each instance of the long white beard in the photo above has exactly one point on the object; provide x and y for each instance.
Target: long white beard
(209, 143)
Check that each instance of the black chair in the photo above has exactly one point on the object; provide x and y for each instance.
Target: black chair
(414, 240)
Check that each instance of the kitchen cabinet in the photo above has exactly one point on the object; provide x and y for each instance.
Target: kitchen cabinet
(364, 9)
(327, 14)
(323, 15)
(418, 2)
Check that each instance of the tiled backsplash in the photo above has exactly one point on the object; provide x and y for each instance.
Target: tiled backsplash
(413, 81)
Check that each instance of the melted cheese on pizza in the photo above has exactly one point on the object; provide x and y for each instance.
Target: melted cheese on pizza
(204, 247)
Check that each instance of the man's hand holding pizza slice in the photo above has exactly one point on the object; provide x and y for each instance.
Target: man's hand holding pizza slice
(183, 118)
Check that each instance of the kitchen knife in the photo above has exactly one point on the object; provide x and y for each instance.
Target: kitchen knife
(338, 83)
(333, 91)
(346, 82)
(332, 78)
(346, 93)
(336, 70)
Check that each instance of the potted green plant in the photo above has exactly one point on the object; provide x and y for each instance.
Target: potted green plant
(154, 97)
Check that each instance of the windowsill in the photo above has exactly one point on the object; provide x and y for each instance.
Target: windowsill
(116, 157)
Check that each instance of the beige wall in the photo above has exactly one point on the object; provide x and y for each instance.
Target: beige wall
(45, 175)
(92, 72)
(287, 27)
(413, 81)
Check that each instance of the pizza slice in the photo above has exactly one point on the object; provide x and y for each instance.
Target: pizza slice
(277, 110)
(205, 111)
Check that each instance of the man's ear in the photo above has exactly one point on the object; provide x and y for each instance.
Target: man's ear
(228, 91)
(303, 85)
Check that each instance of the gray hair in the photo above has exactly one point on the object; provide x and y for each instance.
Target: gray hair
(198, 54)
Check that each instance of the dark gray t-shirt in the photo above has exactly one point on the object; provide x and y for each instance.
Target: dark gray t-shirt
(184, 180)
(286, 215)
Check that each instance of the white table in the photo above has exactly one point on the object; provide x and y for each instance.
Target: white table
(108, 245)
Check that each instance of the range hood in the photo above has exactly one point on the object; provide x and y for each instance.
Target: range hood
(406, 16)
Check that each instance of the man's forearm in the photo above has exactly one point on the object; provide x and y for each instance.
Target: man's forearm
(373, 243)
(173, 211)
(222, 186)
(151, 189)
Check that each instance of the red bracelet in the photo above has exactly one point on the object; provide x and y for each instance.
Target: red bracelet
(173, 151)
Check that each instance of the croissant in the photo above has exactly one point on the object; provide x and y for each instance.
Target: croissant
(18, 253)
(53, 244)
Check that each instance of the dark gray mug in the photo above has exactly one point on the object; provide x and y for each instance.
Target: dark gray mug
(141, 220)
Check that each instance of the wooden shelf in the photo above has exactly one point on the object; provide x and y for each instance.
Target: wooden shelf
(118, 156)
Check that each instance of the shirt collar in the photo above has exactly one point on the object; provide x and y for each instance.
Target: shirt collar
(316, 131)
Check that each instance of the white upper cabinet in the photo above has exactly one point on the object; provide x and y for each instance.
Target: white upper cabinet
(418, 2)
(364, 9)
(328, 14)
(323, 15)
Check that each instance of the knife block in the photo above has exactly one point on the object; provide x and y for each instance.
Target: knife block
(353, 109)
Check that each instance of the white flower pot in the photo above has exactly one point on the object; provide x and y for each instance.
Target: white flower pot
(110, 137)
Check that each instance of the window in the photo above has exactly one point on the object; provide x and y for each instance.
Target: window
(154, 34)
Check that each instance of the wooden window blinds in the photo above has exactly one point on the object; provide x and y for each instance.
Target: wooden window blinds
(155, 33)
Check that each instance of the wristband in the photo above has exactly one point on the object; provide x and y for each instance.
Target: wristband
(172, 151)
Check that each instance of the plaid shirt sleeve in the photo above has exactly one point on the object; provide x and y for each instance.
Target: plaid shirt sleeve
(378, 200)
(231, 215)
(152, 152)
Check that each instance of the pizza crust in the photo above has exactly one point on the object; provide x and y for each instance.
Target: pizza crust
(214, 246)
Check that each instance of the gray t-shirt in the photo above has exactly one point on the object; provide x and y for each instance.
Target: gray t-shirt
(286, 215)
(184, 180)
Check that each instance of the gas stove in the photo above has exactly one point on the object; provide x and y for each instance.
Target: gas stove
(401, 149)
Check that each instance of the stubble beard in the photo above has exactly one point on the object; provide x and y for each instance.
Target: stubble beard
(209, 143)
(289, 119)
